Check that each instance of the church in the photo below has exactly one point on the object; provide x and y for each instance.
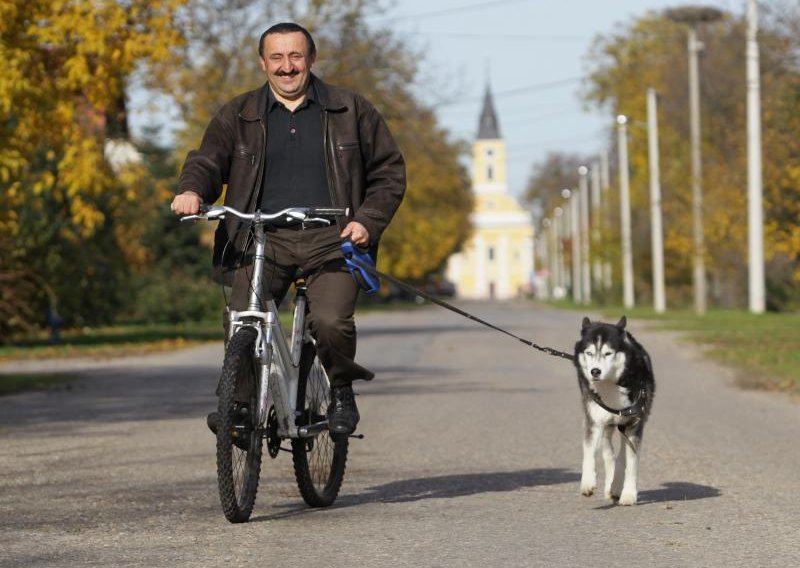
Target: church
(496, 263)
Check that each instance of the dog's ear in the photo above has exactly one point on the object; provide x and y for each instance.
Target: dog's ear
(585, 324)
(623, 321)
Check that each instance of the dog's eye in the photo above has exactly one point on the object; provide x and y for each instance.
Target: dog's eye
(607, 353)
(589, 352)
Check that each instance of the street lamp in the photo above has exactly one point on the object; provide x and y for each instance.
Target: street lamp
(583, 199)
(575, 234)
(693, 16)
(558, 253)
(625, 212)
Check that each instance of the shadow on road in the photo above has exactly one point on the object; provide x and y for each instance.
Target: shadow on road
(672, 491)
(678, 491)
(442, 487)
(449, 486)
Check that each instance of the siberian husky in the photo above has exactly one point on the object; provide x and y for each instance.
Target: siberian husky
(617, 386)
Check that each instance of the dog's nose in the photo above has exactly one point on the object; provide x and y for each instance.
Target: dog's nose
(595, 372)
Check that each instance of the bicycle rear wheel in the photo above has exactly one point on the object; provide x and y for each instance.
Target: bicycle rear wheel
(319, 461)
(239, 441)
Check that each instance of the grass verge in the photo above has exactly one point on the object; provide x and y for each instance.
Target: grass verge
(114, 341)
(764, 349)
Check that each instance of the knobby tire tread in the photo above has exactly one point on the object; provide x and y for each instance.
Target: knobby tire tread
(314, 494)
(238, 355)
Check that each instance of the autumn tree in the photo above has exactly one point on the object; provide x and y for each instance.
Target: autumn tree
(558, 170)
(63, 71)
(650, 52)
(220, 61)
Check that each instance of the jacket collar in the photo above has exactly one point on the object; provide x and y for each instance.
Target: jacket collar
(330, 98)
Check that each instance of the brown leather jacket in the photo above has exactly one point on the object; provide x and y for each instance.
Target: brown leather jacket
(366, 171)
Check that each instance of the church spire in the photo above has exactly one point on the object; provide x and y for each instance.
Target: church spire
(488, 128)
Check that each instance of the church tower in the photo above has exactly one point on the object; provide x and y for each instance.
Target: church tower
(497, 262)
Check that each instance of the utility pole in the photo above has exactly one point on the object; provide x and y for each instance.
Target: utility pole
(693, 16)
(583, 192)
(575, 233)
(596, 223)
(755, 211)
(546, 256)
(699, 264)
(656, 230)
(558, 253)
(625, 212)
(605, 210)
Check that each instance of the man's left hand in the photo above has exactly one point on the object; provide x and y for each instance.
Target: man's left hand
(357, 233)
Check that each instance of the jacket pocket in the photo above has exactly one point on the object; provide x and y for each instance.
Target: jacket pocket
(245, 154)
(346, 146)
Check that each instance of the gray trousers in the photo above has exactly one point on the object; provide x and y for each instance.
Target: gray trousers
(331, 292)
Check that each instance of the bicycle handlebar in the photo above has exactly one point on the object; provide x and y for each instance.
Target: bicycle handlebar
(302, 214)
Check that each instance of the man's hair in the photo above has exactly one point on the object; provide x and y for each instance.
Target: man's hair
(286, 28)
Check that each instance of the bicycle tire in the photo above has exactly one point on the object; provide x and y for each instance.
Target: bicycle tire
(238, 460)
(319, 461)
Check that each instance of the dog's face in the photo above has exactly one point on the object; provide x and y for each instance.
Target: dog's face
(601, 351)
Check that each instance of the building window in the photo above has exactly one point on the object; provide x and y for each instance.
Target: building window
(489, 172)
(491, 253)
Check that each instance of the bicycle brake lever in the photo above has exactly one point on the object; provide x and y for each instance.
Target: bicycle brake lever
(214, 212)
(317, 220)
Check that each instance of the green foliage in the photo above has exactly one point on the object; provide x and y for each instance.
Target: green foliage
(174, 283)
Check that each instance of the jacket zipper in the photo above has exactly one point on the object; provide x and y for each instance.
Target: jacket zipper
(325, 142)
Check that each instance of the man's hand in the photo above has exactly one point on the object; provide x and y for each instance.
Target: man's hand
(357, 232)
(186, 203)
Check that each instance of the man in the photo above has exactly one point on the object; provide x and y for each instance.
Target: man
(298, 141)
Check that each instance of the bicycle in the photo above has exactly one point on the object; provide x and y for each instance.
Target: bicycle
(272, 390)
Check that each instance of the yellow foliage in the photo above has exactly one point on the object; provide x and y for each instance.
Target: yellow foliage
(63, 67)
(651, 52)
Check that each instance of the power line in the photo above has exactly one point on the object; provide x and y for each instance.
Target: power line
(453, 10)
(467, 35)
(509, 93)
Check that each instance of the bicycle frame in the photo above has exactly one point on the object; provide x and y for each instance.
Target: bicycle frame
(279, 360)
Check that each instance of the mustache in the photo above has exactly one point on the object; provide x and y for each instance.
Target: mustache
(287, 74)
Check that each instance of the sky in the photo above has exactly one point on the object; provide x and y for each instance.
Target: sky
(532, 53)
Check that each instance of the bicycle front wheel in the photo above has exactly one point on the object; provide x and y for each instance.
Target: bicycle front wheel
(319, 461)
(239, 440)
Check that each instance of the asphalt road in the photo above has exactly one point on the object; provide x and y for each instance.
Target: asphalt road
(471, 458)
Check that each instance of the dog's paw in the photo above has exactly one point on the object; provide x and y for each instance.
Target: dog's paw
(587, 489)
(628, 498)
(614, 496)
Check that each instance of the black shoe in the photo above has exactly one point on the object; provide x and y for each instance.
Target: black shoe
(242, 441)
(342, 412)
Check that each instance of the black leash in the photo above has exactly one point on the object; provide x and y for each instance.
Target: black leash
(636, 409)
(409, 288)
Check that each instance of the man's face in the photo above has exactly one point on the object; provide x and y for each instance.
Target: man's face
(287, 64)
